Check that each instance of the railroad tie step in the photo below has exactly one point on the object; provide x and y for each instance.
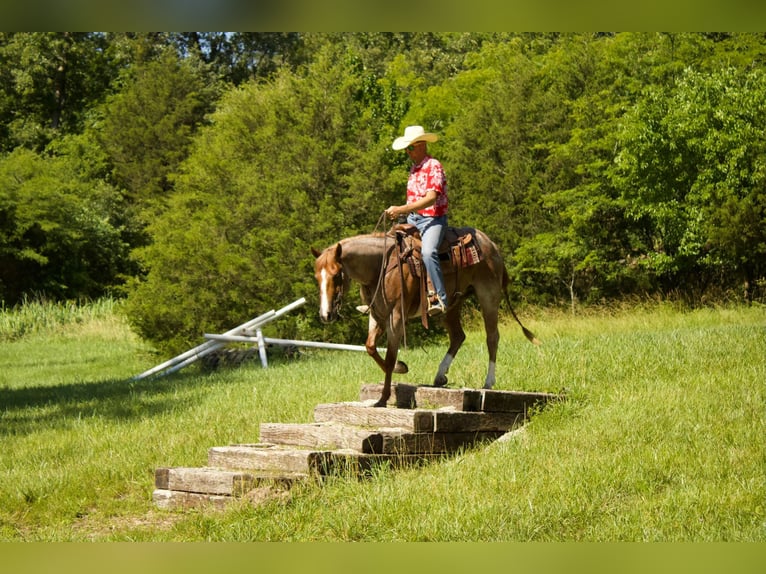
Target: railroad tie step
(182, 487)
(409, 396)
(380, 440)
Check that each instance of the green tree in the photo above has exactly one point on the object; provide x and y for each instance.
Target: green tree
(147, 126)
(693, 164)
(48, 83)
(284, 165)
(58, 232)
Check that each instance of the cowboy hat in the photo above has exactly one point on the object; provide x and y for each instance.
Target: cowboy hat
(413, 134)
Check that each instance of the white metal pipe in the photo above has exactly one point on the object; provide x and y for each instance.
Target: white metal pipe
(262, 349)
(287, 342)
(207, 347)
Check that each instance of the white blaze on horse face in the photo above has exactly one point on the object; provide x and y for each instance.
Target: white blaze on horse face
(324, 298)
(489, 382)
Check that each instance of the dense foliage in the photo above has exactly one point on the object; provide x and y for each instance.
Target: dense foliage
(192, 172)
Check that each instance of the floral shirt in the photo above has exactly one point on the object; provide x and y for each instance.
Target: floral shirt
(426, 176)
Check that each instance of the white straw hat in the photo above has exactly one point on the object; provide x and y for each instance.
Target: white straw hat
(413, 134)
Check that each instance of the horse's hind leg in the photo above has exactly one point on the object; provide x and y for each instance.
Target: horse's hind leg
(490, 314)
(456, 338)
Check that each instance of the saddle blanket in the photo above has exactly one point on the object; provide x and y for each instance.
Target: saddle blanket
(459, 245)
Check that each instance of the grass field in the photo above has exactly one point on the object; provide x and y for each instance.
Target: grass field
(661, 437)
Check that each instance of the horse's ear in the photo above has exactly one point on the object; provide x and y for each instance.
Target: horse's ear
(315, 252)
(338, 251)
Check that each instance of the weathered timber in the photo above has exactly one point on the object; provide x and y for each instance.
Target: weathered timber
(203, 480)
(333, 436)
(469, 400)
(262, 457)
(406, 396)
(439, 442)
(325, 435)
(208, 480)
(179, 500)
(514, 401)
(349, 462)
(415, 420)
(402, 394)
(454, 421)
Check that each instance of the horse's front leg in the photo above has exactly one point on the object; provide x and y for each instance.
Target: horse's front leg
(374, 331)
(393, 336)
(390, 363)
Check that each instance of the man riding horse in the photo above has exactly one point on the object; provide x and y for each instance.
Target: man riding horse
(426, 207)
(391, 287)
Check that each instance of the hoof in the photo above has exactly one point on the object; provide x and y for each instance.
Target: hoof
(380, 403)
(440, 381)
(401, 368)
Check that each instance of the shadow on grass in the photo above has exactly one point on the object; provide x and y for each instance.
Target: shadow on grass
(31, 409)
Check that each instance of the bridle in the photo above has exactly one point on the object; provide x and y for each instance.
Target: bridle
(339, 282)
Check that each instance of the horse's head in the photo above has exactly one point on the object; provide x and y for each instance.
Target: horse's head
(328, 270)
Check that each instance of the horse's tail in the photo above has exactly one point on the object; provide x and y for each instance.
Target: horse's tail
(527, 333)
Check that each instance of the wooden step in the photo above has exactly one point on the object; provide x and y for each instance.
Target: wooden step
(347, 462)
(333, 435)
(323, 435)
(417, 420)
(456, 421)
(314, 463)
(406, 396)
(364, 415)
(208, 480)
(180, 500)
(429, 397)
(264, 457)
(514, 401)
(402, 394)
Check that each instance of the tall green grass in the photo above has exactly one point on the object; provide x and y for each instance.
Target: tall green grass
(661, 437)
(45, 317)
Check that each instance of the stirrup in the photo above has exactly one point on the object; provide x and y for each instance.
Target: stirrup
(363, 309)
(436, 307)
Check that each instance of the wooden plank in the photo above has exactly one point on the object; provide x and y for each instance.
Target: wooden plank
(207, 480)
(358, 414)
(324, 435)
(406, 396)
(275, 459)
(402, 394)
(514, 401)
(457, 421)
(429, 443)
(333, 436)
(438, 397)
(203, 480)
(177, 500)
(349, 462)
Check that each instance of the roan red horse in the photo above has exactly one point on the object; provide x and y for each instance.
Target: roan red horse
(391, 287)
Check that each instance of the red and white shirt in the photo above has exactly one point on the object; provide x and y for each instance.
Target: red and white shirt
(426, 176)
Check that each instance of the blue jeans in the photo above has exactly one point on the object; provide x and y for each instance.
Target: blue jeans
(432, 231)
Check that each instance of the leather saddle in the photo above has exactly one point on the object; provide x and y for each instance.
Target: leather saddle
(459, 247)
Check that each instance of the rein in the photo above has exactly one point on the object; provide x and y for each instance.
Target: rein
(382, 275)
